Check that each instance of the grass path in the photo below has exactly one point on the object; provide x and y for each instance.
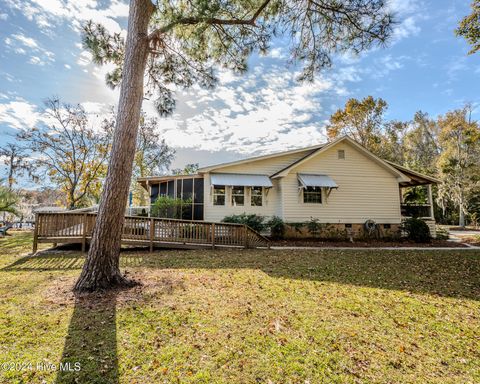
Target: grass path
(335, 316)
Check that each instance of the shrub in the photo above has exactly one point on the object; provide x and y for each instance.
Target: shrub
(313, 227)
(170, 207)
(255, 222)
(416, 230)
(277, 227)
(442, 234)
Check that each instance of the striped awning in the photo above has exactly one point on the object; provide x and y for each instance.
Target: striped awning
(238, 179)
(322, 181)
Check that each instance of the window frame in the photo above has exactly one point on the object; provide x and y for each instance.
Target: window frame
(252, 196)
(215, 194)
(306, 192)
(233, 195)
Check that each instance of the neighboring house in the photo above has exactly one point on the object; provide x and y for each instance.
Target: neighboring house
(340, 183)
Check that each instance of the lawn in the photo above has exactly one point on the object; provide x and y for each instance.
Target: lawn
(333, 316)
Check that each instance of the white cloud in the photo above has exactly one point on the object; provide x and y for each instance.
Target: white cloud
(408, 27)
(19, 114)
(84, 59)
(3, 16)
(35, 60)
(264, 110)
(28, 45)
(26, 41)
(49, 13)
(408, 13)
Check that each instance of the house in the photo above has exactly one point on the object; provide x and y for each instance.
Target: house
(339, 183)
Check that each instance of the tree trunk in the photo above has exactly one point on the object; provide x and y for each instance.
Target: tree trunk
(101, 269)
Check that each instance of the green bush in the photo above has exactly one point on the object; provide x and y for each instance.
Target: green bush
(442, 234)
(313, 227)
(416, 230)
(277, 227)
(169, 207)
(255, 222)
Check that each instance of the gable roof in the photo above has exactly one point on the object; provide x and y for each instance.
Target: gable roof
(307, 151)
(400, 175)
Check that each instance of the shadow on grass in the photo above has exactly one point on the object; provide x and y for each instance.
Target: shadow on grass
(451, 273)
(90, 350)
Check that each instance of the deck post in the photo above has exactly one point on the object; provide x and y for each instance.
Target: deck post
(212, 234)
(84, 234)
(35, 235)
(430, 201)
(245, 234)
(152, 232)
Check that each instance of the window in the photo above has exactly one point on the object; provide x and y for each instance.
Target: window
(341, 154)
(256, 197)
(238, 196)
(312, 195)
(218, 195)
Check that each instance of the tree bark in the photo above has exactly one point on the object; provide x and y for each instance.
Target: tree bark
(101, 269)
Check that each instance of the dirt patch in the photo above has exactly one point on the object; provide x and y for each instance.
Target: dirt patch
(60, 292)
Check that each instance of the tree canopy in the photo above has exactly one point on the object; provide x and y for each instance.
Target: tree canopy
(188, 39)
(71, 151)
(469, 27)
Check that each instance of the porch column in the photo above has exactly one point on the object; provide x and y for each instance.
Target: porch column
(430, 201)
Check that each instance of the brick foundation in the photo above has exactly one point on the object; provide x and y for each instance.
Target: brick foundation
(340, 231)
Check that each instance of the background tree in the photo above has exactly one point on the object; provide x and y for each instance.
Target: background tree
(71, 152)
(392, 141)
(362, 120)
(189, 169)
(420, 144)
(469, 27)
(177, 44)
(16, 160)
(152, 156)
(8, 200)
(459, 162)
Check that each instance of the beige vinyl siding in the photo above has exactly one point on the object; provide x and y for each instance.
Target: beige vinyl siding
(272, 201)
(366, 190)
(218, 212)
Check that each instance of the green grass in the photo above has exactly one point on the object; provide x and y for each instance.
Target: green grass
(241, 316)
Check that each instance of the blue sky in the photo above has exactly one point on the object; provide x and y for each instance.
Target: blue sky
(425, 67)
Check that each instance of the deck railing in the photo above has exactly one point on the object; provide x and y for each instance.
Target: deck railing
(68, 227)
(415, 210)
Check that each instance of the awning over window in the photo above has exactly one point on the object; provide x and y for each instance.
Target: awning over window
(237, 179)
(322, 181)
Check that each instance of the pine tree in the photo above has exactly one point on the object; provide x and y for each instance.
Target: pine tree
(178, 44)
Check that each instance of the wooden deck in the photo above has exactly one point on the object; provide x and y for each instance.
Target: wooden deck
(77, 228)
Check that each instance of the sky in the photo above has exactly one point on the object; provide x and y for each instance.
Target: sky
(424, 67)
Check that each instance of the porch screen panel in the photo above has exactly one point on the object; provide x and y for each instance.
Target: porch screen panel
(179, 189)
(163, 189)
(187, 190)
(198, 212)
(198, 199)
(198, 191)
(154, 193)
(171, 189)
